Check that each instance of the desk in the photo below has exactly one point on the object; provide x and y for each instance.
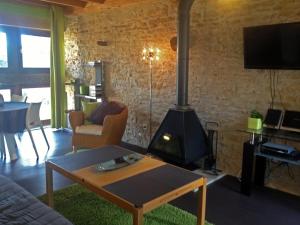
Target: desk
(255, 161)
(12, 120)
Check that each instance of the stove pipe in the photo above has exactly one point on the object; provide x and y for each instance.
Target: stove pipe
(182, 69)
(181, 139)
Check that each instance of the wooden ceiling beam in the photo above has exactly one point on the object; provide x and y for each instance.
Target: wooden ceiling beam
(71, 3)
(95, 1)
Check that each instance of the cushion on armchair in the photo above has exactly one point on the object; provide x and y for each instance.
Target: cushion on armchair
(89, 107)
(89, 129)
(104, 109)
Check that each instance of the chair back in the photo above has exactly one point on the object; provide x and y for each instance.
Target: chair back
(115, 125)
(18, 98)
(1, 100)
(33, 115)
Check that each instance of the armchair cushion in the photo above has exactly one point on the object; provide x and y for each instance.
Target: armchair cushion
(89, 129)
(89, 107)
(104, 109)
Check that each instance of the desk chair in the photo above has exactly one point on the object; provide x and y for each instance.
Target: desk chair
(33, 121)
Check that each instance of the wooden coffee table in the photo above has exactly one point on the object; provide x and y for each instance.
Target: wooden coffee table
(137, 188)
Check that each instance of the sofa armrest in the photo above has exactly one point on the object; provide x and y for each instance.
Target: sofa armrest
(76, 119)
(18, 206)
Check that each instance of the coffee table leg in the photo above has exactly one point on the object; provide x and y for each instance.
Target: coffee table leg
(201, 204)
(138, 217)
(49, 185)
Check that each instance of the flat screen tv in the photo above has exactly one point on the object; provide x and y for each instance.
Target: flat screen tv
(272, 46)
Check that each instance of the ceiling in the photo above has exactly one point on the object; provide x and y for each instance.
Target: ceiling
(77, 6)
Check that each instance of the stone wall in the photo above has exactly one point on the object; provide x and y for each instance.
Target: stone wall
(220, 90)
(128, 30)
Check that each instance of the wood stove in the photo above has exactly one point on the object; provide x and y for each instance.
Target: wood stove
(181, 138)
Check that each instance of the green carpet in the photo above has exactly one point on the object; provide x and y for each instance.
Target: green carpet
(83, 207)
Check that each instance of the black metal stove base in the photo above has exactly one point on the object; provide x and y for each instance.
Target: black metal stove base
(180, 138)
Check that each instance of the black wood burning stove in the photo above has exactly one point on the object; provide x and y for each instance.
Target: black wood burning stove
(181, 138)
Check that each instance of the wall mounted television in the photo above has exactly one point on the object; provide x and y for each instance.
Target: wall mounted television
(272, 46)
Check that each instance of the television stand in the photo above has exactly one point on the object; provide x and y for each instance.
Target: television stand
(254, 161)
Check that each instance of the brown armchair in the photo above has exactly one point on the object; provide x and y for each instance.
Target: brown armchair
(94, 135)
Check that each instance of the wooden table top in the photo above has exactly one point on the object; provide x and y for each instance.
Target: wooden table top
(138, 184)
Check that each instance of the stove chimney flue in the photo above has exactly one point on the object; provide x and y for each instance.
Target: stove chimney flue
(180, 138)
(182, 70)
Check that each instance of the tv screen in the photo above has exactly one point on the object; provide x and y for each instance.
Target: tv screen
(272, 46)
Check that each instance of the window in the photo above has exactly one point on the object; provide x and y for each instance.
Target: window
(3, 50)
(24, 51)
(35, 51)
(25, 65)
(6, 94)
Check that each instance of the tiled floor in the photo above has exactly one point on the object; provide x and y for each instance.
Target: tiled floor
(225, 205)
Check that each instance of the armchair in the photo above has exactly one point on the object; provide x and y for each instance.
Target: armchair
(96, 135)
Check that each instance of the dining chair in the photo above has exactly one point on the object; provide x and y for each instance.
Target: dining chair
(1, 98)
(2, 146)
(33, 121)
(18, 98)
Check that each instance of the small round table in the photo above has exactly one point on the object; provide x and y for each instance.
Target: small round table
(12, 120)
(13, 116)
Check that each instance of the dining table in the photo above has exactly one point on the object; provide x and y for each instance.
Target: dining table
(12, 121)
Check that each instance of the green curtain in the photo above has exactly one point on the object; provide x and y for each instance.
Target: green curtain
(57, 69)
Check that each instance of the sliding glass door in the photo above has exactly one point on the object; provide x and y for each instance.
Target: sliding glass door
(25, 66)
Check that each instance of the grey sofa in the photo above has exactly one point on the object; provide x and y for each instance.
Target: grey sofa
(19, 207)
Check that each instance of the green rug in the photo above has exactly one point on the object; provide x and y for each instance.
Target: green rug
(83, 207)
